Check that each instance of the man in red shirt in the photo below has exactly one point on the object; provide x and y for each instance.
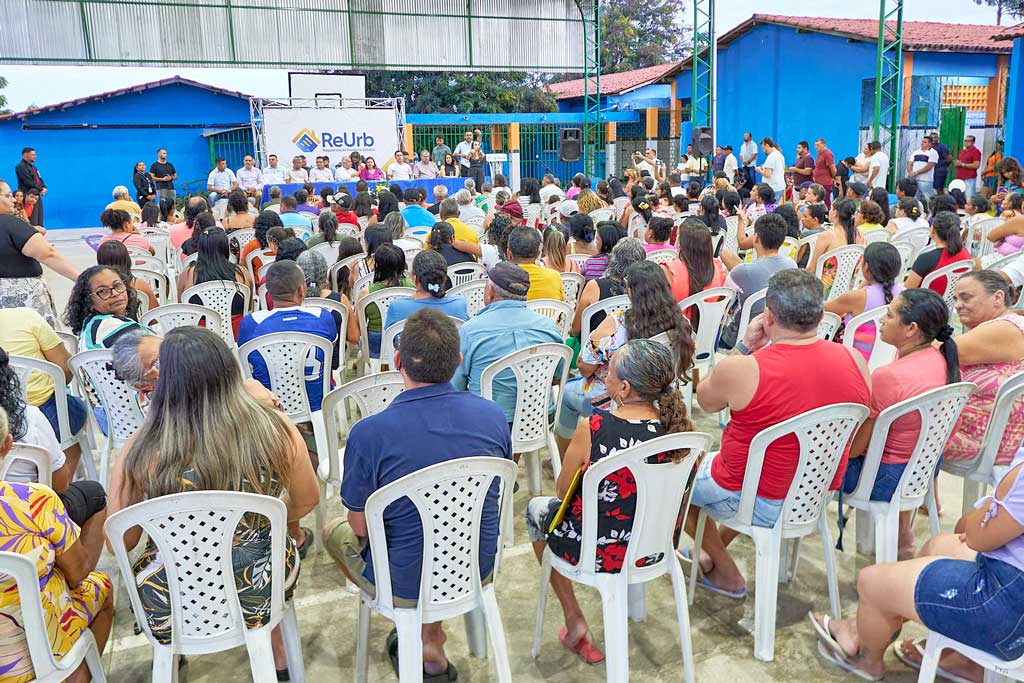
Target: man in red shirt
(803, 169)
(824, 169)
(967, 164)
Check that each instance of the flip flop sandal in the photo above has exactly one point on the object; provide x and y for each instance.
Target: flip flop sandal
(907, 661)
(306, 543)
(824, 633)
(706, 584)
(449, 676)
(843, 663)
(584, 649)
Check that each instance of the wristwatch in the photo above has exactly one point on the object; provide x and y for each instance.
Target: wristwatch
(742, 348)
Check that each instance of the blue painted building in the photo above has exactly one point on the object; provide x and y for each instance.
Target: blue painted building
(86, 147)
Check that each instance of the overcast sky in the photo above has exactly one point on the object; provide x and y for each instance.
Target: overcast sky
(41, 85)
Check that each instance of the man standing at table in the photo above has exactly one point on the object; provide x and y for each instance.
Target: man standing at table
(29, 179)
(967, 164)
(272, 173)
(250, 178)
(462, 151)
(164, 175)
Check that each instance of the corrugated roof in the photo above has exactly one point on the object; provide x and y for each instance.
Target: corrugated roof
(613, 84)
(174, 80)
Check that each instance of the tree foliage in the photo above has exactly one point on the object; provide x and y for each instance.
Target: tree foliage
(3, 100)
(641, 33)
(1011, 8)
(432, 92)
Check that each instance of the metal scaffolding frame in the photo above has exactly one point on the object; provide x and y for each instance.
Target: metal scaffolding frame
(590, 12)
(888, 81)
(705, 68)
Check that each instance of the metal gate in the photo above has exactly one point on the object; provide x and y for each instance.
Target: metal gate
(232, 144)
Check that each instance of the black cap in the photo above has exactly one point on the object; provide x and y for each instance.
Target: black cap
(510, 277)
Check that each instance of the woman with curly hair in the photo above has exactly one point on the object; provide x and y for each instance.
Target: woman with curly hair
(493, 249)
(442, 235)
(641, 382)
(624, 254)
(652, 311)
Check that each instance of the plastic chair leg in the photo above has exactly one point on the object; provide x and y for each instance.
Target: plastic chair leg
(556, 459)
(165, 665)
(104, 470)
(93, 661)
(533, 474)
(86, 461)
(614, 595)
(683, 616)
(769, 547)
(865, 532)
(933, 512)
(293, 644)
(887, 535)
(261, 655)
(972, 492)
(831, 572)
(929, 662)
(637, 601)
(496, 631)
(698, 538)
(542, 599)
(410, 646)
(476, 632)
(362, 642)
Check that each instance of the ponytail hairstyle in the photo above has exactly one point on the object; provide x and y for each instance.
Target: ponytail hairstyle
(910, 208)
(845, 209)
(710, 210)
(929, 311)
(328, 224)
(11, 401)
(648, 367)
(884, 265)
(947, 227)
(441, 234)
(431, 272)
(581, 227)
(347, 246)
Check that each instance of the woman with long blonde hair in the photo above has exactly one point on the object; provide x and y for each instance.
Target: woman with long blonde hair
(556, 252)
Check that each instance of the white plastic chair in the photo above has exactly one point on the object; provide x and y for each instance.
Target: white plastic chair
(220, 295)
(36, 456)
(996, 670)
(22, 570)
(531, 212)
(882, 353)
(790, 247)
(982, 246)
(387, 343)
(746, 311)
(24, 366)
(466, 272)
(578, 259)
(326, 249)
(351, 262)
(848, 259)
(261, 274)
(188, 261)
(662, 256)
(1001, 263)
(919, 236)
(165, 318)
(410, 256)
(712, 305)
(731, 239)
(140, 258)
(938, 410)
(612, 304)
(535, 368)
(242, 236)
(572, 287)
(807, 242)
(981, 471)
(450, 499)
(556, 309)
(194, 534)
(823, 433)
(264, 255)
(659, 496)
(473, 293)
(907, 250)
(334, 307)
(158, 282)
(120, 402)
(598, 215)
(953, 272)
(383, 299)
(876, 236)
(829, 325)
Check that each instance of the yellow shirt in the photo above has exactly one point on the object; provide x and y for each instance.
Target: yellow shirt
(126, 205)
(545, 283)
(462, 231)
(865, 228)
(23, 332)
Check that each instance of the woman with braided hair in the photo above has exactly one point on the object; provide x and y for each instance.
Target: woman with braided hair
(880, 268)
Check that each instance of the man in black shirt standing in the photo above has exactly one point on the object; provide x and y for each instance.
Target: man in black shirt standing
(164, 175)
(29, 179)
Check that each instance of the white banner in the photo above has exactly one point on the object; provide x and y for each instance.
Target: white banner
(331, 132)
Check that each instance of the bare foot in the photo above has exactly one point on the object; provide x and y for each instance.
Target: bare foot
(906, 552)
(952, 662)
(844, 632)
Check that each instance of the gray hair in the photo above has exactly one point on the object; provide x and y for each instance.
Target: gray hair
(796, 299)
(449, 208)
(470, 185)
(395, 222)
(486, 188)
(440, 192)
(121, 191)
(125, 356)
(501, 196)
(648, 367)
(463, 197)
(625, 253)
(548, 178)
(315, 268)
(275, 192)
(504, 294)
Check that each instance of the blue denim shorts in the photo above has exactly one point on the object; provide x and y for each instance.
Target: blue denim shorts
(722, 503)
(76, 413)
(979, 603)
(886, 480)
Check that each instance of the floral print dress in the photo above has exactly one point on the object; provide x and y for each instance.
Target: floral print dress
(35, 524)
(616, 495)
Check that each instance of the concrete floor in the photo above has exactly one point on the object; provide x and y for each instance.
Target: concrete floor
(720, 627)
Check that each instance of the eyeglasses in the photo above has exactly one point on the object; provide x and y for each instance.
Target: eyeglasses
(154, 369)
(105, 293)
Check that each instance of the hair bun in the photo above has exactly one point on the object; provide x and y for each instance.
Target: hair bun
(945, 334)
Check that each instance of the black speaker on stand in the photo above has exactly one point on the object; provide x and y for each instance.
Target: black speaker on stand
(570, 144)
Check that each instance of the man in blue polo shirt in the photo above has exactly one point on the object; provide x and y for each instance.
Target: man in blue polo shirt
(290, 218)
(428, 423)
(415, 212)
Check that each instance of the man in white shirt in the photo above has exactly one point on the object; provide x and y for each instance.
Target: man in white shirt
(748, 157)
(649, 162)
(462, 151)
(878, 166)
(272, 173)
(297, 174)
(344, 173)
(549, 188)
(400, 169)
(250, 179)
(425, 168)
(321, 174)
(731, 164)
(469, 213)
(774, 168)
(921, 168)
(220, 181)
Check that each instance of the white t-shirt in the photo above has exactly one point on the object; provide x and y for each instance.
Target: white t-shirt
(320, 175)
(730, 166)
(645, 166)
(1015, 271)
(549, 191)
(879, 160)
(400, 171)
(297, 175)
(345, 175)
(860, 177)
(464, 148)
(749, 149)
(489, 255)
(38, 432)
(777, 180)
(922, 158)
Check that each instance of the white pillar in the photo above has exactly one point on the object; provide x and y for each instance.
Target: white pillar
(514, 171)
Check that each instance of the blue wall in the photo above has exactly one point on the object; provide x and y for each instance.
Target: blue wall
(955, 64)
(82, 165)
(1015, 102)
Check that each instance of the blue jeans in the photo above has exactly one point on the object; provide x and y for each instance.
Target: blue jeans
(574, 406)
(374, 341)
(970, 187)
(721, 503)
(925, 190)
(886, 480)
(979, 603)
(76, 413)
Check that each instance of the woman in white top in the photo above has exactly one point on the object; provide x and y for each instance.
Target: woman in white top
(908, 215)
(774, 168)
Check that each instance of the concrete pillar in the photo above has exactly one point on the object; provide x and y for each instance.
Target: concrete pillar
(996, 92)
(514, 170)
(651, 118)
(1014, 135)
(908, 72)
(611, 157)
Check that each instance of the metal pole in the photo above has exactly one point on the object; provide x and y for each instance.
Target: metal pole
(590, 11)
(889, 81)
(705, 52)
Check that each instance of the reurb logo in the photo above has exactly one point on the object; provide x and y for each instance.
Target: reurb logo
(307, 140)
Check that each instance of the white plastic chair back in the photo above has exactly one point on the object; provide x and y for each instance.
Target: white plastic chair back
(461, 273)
(362, 282)
(807, 242)
(473, 293)
(746, 312)
(264, 255)
(160, 240)
(572, 287)
(982, 246)
(21, 569)
(290, 358)
(882, 353)
(790, 247)
(907, 250)
(219, 295)
(731, 239)
(953, 272)
(847, 267)
(712, 304)
(659, 496)
(387, 343)
(157, 281)
(143, 259)
(420, 232)
(918, 236)
(876, 236)
(194, 535)
(349, 230)
(242, 236)
(531, 212)
(450, 499)
(188, 261)
(351, 262)
(410, 256)
(382, 298)
(36, 456)
(559, 312)
(168, 317)
(1001, 263)
(24, 367)
(996, 670)
(578, 259)
(662, 256)
(612, 304)
(334, 307)
(598, 215)
(261, 274)
(534, 368)
(829, 325)
(326, 249)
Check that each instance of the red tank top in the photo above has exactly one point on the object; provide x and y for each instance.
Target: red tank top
(681, 277)
(939, 286)
(792, 380)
